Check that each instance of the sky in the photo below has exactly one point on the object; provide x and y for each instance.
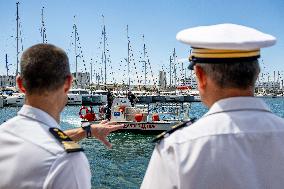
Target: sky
(159, 21)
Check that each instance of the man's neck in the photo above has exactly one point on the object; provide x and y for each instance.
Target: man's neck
(228, 93)
(47, 103)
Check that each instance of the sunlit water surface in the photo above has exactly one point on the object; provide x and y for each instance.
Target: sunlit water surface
(125, 164)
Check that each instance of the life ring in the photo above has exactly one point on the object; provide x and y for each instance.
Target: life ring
(89, 116)
(80, 112)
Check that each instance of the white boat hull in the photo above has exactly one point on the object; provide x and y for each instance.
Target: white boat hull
(74, 99)
(146, 127)
(14, 100)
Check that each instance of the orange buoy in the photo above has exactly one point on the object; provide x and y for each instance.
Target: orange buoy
(122, 108)
(155, 117)
(138, 117)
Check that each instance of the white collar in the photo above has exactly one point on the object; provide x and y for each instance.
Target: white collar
(236, 104)
(38, 115)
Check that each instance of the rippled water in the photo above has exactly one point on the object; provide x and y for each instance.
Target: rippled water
(125, 164)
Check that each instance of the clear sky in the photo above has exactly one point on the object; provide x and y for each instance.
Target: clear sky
(158, 20)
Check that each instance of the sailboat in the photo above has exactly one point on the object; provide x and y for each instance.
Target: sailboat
(77, 95)
(10, 95)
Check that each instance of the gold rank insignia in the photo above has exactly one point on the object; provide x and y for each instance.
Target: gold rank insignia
(165, 134)
(68, 144)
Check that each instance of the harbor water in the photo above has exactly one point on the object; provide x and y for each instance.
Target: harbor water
(125, 164)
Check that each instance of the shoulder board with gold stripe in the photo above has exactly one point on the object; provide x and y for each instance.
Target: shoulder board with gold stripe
(165, 134)
(68, 144)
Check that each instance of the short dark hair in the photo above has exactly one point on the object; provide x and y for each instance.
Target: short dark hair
(233, 75)
(44, 67)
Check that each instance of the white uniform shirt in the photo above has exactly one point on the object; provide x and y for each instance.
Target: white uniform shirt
(31, 157)
(238, 144)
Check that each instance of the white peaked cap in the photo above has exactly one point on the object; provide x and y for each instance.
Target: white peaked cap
(225, 36)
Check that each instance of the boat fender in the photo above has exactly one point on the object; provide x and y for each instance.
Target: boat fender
(165, 134)
(155, 117)
(138, 117)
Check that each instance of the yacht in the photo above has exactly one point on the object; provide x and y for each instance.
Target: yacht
(75, 96)
(13, 99)
(99, 97)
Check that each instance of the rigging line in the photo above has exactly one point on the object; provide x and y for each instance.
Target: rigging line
(152, 74)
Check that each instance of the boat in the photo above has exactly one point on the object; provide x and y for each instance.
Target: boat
(99, 97)
(76, 96)
(1, 102)
(16, 99)
(143, 97)
(141, 118)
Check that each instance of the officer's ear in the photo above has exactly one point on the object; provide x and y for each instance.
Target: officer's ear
(201, 77)
(19, 81)
(68, 83)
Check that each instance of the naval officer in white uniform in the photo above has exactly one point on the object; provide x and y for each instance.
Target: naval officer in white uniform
(239, 142)
(35, 153)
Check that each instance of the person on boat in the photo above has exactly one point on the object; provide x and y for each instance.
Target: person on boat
(109, 104)
(35, 153)
(239, 142)
(132, 98)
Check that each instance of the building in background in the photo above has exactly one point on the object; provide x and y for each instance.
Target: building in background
(162, 80)
(268, 85)
(7, 81)
(81, 80)
(189, 81)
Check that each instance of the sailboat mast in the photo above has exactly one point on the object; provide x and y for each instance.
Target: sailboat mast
(184, 70)
(175, 71)
(7, 68)
(91, 76)
(17, 39)
(170, 71)
(102, 68)
(76, 56)
(104, 34)
(145, 65)
(128, 52)
(43, 27)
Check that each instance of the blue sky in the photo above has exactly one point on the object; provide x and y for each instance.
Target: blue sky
(158, 20)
